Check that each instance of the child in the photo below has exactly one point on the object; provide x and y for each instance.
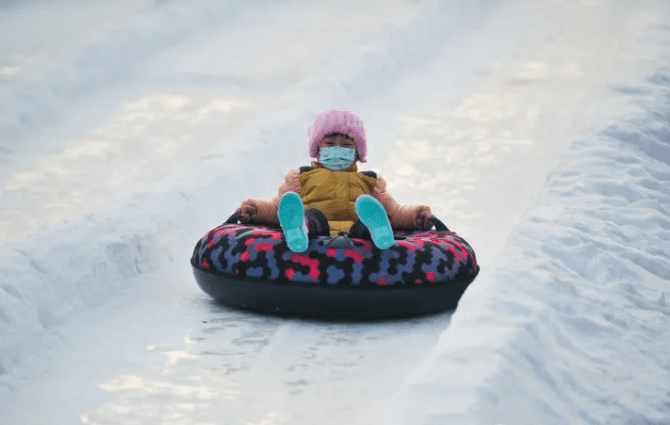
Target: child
(331, 196)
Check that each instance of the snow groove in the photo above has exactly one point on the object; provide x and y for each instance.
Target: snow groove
(59, 279)
(39, 98)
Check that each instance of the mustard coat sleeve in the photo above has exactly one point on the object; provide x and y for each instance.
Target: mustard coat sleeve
(400, 216)
(267, 208)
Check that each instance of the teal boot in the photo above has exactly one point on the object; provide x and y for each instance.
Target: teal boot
(373, 215)
(292, 219)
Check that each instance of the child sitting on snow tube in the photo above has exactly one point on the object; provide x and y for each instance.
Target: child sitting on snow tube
(331, 196)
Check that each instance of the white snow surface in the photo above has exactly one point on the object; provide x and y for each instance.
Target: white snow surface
(538, 131)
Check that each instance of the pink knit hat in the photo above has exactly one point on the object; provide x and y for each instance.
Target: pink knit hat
(337, 121)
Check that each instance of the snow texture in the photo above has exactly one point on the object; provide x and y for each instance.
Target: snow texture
(539, 131)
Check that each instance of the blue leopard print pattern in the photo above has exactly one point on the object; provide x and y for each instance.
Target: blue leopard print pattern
(418, 257)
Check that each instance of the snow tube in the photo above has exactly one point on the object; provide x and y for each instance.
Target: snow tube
(250, 266)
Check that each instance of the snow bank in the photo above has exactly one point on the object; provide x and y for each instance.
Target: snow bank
(572, 324)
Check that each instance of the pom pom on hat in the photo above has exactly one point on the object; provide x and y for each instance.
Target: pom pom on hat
(337, 121)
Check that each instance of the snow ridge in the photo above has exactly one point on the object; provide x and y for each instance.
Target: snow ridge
(542, 336)
(52, 277)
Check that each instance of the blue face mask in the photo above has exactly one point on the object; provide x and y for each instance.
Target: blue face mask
(336, 158)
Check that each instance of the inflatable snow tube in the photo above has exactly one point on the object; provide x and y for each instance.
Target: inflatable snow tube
(250, 266)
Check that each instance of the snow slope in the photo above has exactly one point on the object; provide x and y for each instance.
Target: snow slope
(538, 131)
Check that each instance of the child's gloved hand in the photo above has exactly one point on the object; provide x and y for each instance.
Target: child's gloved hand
(424, 220)
(248, 214)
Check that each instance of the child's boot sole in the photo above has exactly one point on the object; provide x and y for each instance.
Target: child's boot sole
(374, 216)
(292, 219)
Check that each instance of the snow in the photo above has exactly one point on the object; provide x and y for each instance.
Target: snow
(539, 131)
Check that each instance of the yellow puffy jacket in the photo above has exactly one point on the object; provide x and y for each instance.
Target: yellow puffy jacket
(334, 193)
